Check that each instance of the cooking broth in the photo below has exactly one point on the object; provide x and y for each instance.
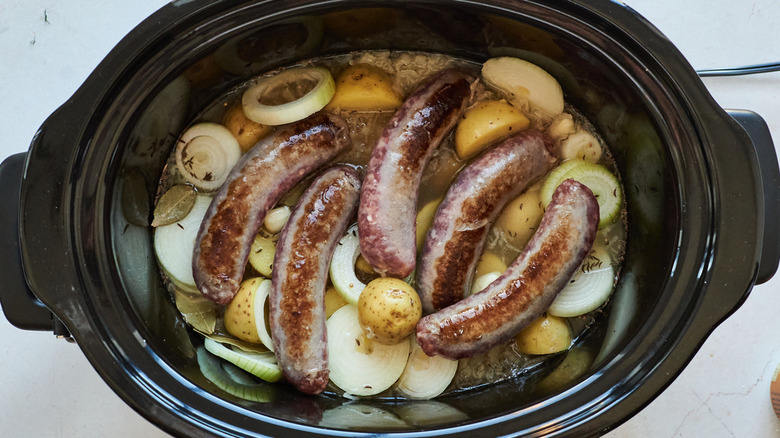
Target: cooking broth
(407, 71)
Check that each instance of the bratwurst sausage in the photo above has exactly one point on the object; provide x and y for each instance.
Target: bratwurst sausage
(388, 202)
(259, 179)
(300, 276)
(527, 288)
(460, 227)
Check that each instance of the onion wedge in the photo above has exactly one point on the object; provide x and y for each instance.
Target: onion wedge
(302, 92)
(262, 365)
(342, 267)
(424, 376)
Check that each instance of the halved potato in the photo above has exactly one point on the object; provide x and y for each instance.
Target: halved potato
(485, 123)
(363, 87)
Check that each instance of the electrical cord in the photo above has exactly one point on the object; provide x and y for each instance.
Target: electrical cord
(740, 71)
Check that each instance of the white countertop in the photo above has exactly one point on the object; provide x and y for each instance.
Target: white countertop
(49, 389)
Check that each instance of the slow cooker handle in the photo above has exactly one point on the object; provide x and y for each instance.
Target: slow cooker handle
(757, 129)
(21, 307)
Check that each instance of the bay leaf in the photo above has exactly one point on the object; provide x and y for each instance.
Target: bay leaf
(174, 205)
(198, 311)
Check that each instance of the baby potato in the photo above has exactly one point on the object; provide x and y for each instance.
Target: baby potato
(388, 310)
(489, 262)
(247, 132)
(521, 217)
(364, 87)
(548, 334)
(240, 312)
(425, 220)
(261, 256)
(485, 123)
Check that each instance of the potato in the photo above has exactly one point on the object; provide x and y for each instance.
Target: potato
(485, 123)
(333, 301)
(576, 363)
(364, 267)
(247, 132)
(425, 220)
(261, 256)
(548, 334)
(489, 262)
(388, 310)
(240, 312)
(364, 87)
(521, 217)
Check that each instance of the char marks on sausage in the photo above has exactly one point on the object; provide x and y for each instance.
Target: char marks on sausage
(253, 187)
(459, 230)
(300, 276)
(386, 216)
(527, 288)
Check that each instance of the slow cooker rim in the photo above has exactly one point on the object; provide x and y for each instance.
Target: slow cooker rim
(108, 262)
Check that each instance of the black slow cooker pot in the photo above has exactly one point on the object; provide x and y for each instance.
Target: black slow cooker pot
(700, 191)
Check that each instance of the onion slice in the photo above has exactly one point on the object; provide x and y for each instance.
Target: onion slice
(205, 155)
(261, 297)
(522, 81)
(227, 379)
(342, 267)
(174, 244)
(357, 365)
(424, 376)
(589, 288)
(262, 365)
(321, 89)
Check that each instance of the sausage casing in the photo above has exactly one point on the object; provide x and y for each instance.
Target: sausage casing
(300, 276)
(461, 224)
(386, 216)
(253, 187)
(526, 289)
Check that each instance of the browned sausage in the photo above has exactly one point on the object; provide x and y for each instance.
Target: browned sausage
(527, 288)
(460, 227)
(256, 183)
(300, 276)
(386, 217)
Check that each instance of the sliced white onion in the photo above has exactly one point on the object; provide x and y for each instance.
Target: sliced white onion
(276, 219)
(584, 293)
(175, 243)
(205, 155)
(261, 296)
(298, 109)
(357, 365)
(342, 267)
(262, 365)
(482, 282)
(522, 81)
(425, 377)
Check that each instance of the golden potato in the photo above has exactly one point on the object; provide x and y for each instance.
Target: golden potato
(425, 220)
(364, 87)
(388, 310)
(489, 262)
(247, 132)
(576, 363)
(261, 256)
(485, 123)
(333, 301)
(521, 217)
(548, 334)
(240, 312)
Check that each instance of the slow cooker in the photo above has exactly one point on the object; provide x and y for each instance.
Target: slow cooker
(701, 186)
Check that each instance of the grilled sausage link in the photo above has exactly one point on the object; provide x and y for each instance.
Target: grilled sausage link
(527, 288)
(270, 169)
(386, 216)
(300, 275)
(460, 227)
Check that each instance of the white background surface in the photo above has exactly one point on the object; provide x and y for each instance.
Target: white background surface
(48, 389)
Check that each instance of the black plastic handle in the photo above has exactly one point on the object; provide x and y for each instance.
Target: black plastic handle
(757, 129)
(21, 307)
